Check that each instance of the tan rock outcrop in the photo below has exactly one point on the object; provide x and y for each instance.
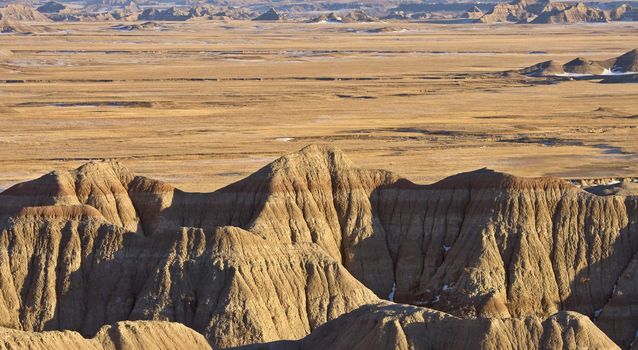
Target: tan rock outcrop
(625, 63)
(394, 326)
(65, 267)
(86, 248)
(127, 335)
(22, 13)
(579, 13)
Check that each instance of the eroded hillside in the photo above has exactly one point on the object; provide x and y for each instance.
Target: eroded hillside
(311, 237)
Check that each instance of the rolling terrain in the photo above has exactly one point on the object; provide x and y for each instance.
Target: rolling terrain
(200, 105)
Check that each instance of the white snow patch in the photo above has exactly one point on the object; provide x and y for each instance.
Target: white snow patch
(597, 313)
(446, 288)
(437, 298)
(573, 75)
(613, 291)
(606, 72)
(446, 248)
(635, 338)
(284, 139)
(392, 292)
(615, 72)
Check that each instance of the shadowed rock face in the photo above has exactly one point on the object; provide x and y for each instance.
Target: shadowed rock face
(229, 284)
(270, 15)
(273, 256)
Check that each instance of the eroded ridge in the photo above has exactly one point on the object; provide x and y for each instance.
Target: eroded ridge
(306, 239)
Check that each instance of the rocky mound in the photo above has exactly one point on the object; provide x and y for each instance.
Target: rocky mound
(270, 15)
(625, 64)
(21, 13)
(275, 256)
(358, 16)
(327, 18)
(542, 69)
(51, 7)
(584, 66)
(392, 326)
(120, 336)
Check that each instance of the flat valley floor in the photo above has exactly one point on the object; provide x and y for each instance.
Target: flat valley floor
(203, 104)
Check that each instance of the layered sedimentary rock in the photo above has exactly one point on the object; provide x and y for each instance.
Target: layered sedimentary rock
(522, 11)
(518, 11)
(21, 13)
(274, 256)
(68, 269)
(394, 326)
(120, 336)
(97, 245)
(578, 13)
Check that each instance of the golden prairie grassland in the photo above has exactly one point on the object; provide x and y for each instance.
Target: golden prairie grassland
(202, 104)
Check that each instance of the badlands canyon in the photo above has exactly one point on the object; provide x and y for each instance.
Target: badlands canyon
(318, 175)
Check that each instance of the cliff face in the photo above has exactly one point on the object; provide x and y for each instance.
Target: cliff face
(65, 267)
(305, 240)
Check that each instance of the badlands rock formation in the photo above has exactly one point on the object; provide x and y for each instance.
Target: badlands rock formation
(626, 63)
(270, 15)
(125, 335)
(394, 326)
(578, 13)
(311, 237)
(545, 11)
(22, 13)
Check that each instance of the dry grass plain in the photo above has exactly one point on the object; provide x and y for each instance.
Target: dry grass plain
(203, 104)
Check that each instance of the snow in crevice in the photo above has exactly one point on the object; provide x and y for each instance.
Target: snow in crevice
(392, 292)
(437, 298)
(635, 338)
(446, 248)
(446, 288)
(597, 313)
